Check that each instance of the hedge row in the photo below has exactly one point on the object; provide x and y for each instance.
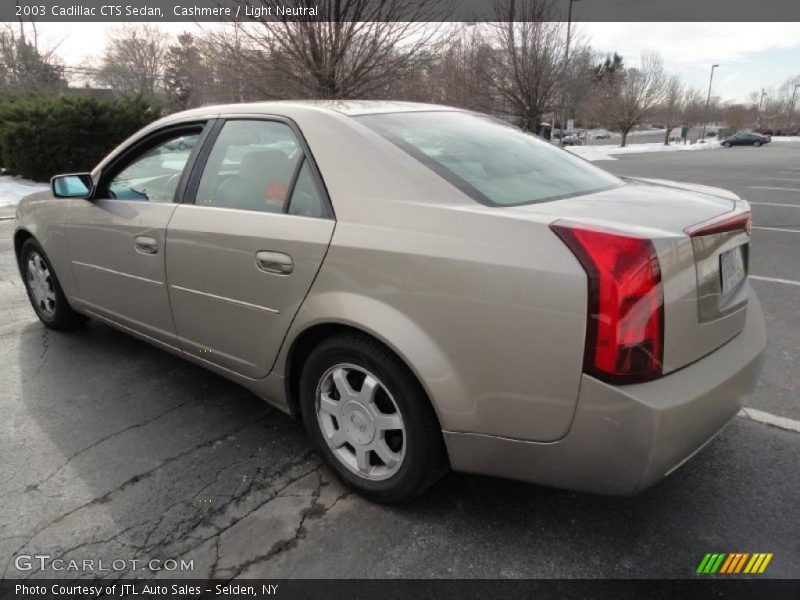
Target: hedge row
(44, 136)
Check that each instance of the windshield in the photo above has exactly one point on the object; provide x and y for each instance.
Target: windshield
(493, 162)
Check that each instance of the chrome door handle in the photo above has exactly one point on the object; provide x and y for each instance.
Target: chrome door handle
(145, 244)
(274, 262)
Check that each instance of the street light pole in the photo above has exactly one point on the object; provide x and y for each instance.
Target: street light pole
(758, 111)
(708, 100)
(566, 65)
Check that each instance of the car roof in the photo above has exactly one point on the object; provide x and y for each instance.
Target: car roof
(344, 107)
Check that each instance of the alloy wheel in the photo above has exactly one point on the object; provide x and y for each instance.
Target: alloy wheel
(360, 422)
(40, 283)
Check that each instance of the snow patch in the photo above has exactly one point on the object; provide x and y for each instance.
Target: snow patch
(783, 139)
(12, 189)
(594, 153)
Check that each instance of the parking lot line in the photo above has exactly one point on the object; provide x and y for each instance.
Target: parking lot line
(767, 187)
(775, 204)
(770, 419)
(774, 280)
(783, 229)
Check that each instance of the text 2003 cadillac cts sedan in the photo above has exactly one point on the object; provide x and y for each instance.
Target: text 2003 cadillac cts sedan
(423, 286)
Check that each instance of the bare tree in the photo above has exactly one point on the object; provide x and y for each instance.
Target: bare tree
(24, 68)
(739, 116)
(671, 111)
(452, 77)
(351, 48)
(527, 58)
(694, 107)
(134, 59)
(185, 73)
(237, 69)
(631, 96)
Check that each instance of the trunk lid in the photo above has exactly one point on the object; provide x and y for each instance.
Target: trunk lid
(701, 313)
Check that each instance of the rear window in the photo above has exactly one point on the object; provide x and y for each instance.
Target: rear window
(494, 163)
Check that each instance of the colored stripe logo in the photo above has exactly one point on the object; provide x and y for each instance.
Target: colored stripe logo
(734, 562)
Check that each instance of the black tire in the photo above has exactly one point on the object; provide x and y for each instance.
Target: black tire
(756, 144)
(61, 316)
(726, 144)
(425, 459)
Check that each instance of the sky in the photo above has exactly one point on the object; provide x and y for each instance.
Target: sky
(751, 55)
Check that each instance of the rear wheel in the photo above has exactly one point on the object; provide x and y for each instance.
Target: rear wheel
(44, 290)
(756, 144)
(371, 419)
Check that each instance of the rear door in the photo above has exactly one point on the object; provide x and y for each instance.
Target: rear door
(117, 239)
(245, 247)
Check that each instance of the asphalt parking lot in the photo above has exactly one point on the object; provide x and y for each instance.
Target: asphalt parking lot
(114, 450)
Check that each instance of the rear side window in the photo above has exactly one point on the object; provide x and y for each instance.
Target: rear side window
(307, 201)
(494, 163)
(251, 167)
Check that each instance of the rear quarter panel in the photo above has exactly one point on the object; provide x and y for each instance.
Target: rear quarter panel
(485, 305)
(489, 312)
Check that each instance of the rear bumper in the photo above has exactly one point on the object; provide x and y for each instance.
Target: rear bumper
(624, 439)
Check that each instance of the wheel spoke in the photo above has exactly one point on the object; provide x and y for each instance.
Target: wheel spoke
(362, 458)
(338, 439)
(340, 380)
(384, 422)
(389, 458)
(330, 406)
(368, 390)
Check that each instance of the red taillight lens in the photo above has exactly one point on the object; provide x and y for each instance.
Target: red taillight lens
(625, 328)
(736, 220)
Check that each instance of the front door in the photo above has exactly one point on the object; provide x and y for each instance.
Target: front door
(242, 257)
(117, 240)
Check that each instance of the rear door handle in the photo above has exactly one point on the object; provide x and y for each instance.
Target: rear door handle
(145, 244)
(274, 262)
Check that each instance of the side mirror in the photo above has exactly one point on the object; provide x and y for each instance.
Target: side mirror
(74, 185)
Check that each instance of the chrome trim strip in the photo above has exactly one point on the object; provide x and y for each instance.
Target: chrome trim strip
(225, 299)
(83, 264)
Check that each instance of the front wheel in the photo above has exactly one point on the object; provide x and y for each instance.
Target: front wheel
(371, 419)
(726, 144)
(44, 290)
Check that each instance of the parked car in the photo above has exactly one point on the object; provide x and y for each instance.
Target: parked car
(745, 138)
(425, 288)
(573, 139)
(181, 143)
(603, 135)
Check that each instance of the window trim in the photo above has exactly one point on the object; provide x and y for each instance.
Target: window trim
(190, 196)
(128, 154)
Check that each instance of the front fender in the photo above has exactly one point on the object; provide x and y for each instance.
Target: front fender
(44, 217)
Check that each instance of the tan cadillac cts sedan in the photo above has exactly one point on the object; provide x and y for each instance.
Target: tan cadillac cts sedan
(424, 287)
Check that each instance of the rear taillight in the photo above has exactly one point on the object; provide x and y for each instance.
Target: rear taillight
(625, 323)
(736, 220)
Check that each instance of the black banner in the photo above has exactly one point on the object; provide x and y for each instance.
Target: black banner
(400, 10)
(411, 589)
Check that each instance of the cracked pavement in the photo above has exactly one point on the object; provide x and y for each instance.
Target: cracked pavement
(112, 449)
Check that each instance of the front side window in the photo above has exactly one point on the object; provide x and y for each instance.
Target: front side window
(492, 162)
(153, 175)
(251, 167)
